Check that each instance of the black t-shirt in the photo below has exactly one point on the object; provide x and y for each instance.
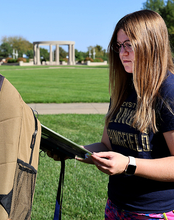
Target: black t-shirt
(134, 193)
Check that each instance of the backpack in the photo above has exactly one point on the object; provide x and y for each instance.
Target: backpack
(20, 134)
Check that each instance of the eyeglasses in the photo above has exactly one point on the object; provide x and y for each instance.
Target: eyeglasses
(117, 47)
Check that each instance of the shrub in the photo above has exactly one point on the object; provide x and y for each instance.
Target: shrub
(98, 60)
(43, 60)
(80, 59)
(11, 60)
(64, 59)
(89, 59)
(21, 59)
(8, 58)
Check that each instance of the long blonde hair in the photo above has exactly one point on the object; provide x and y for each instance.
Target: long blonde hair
(148, 34)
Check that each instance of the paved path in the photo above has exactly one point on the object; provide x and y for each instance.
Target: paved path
(70, 108)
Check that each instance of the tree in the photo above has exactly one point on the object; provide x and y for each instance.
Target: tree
(44, 54)
(99, 52)
(99, 48)
(18, 43)
(153, 5)
(62, 53)
(167, 14)
(5, 50)
(80, 56)
(30, 53)
(166, 10)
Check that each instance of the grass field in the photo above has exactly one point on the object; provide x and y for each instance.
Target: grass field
(59, 85)
(85, 188)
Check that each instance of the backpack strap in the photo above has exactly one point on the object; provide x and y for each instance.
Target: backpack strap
(33, 139)
(1, 81)
(59, 198)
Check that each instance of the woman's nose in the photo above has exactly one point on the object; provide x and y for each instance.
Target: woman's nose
(123, 50)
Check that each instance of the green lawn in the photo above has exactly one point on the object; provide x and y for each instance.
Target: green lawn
(59, 85)
(85, 187)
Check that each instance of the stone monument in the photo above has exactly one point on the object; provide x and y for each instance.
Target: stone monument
(71, 51)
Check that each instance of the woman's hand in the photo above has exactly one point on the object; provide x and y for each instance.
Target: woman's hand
(110, 162)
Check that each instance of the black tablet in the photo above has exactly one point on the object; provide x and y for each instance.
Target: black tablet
(58, 144)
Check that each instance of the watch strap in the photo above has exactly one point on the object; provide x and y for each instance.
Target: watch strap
(131, 167)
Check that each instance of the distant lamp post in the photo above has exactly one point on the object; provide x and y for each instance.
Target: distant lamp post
(89, 52)
(15, 55)
(93, 53)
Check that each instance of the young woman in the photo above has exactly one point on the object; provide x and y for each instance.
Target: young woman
(137, 146)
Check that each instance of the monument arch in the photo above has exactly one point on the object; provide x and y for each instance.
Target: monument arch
(71, 51)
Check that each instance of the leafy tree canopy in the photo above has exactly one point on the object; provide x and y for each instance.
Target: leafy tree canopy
(167, 14)
(79, 55)
(166, 10)
(62, 53)
(153, 5)
(5, 50)
(30, 54)
(99, 52)
(44, 54)
(18, 43)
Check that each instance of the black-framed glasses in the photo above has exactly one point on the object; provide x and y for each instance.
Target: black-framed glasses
(117, 47)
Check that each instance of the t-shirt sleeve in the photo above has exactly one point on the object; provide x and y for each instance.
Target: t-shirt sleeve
(167, 106)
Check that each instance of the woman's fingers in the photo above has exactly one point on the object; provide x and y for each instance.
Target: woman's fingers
(110, 162)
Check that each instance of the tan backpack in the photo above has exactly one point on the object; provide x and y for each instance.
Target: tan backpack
(20, 134)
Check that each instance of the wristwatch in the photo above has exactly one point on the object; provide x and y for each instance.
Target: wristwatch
(131, 167)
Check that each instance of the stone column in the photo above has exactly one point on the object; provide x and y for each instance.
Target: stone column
(73, 55)
(38, 55)
(34, 50)
(70, 54)
(51, 59)
(57, 54)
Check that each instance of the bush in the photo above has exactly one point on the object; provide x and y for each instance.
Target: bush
(42, 60)
(21, 59)
(98, 60)
(80, 59)
(8, 58)
(64, 59)
(89, 59)
(11, 60)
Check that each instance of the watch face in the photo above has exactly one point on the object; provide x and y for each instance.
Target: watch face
(131, 169)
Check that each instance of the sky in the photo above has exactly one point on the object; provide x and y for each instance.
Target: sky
(88, 23)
